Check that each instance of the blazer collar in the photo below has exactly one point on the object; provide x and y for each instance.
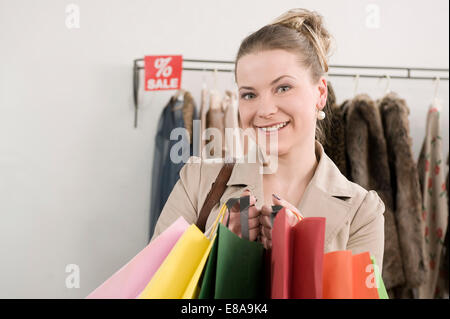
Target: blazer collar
(327, 176)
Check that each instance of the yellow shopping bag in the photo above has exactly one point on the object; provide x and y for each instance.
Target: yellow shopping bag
(178, 275)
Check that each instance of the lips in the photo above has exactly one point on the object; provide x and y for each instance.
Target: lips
(273, 127)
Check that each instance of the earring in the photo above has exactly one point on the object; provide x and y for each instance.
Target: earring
(321, 115)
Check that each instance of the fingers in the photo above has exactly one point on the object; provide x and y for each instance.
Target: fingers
(280, 201)
(246, 192)
(264, 217)
(266, 243)
(236, 206)
(266, 210)
(253, 222)
(265, 236)
(253, 215)
(266, 226)
(235, 224)
(266, 232)
(253, 212)
(234, 217)
(254, 233)
(291, 217)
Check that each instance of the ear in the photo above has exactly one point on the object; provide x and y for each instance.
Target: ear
(323, 93)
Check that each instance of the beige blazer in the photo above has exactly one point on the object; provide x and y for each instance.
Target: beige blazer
(354, 216)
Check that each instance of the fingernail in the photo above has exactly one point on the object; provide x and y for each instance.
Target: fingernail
(276, 196)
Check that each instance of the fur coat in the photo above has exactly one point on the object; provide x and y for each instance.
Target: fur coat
(369, 167)
(406, 188)
(334, 143)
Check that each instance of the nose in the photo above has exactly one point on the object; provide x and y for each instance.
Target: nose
(267, 107)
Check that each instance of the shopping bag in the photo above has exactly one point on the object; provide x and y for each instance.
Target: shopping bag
(131, 279)
(382, 293)
(235, 268)
(364, 279)
(178, 275)
(348, 276)
(337, 275)
(193, 288)
(296, 257)
(280, 260)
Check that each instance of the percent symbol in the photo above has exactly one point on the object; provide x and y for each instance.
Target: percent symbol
(163, 68)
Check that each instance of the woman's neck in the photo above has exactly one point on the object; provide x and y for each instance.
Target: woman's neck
(295, 170)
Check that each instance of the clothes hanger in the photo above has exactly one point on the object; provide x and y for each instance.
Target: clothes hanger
(233, 83)
(204, 79)
(215, 79)
(178, 98)
(436, 102)
(388, 85)
(215, 96)
(355, 89)
(180, 95)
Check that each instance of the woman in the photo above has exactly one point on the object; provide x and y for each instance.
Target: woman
(280, 74)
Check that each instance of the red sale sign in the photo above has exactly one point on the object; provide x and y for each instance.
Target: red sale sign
(163, 72)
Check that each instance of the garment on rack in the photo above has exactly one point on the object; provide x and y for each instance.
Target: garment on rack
(435, 204)
(202, 118)
(215, 119)
(233, 146)
(369, 167)
(334, 144)
(406, 191)
(165, 171)
(189, 113)
(442, 289)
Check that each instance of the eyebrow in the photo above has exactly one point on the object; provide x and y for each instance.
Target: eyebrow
(272, 83)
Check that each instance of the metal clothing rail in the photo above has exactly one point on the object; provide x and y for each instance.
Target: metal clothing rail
(407, 73)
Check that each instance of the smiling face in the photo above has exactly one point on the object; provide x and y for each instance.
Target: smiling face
(276, 93)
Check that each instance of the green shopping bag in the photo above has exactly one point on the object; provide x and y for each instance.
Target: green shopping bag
(235, 267)
(382, 293)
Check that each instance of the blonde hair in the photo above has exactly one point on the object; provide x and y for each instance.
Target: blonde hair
(301, 32)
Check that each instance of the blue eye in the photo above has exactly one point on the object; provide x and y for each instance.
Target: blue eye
(284, 86)
(245, 95)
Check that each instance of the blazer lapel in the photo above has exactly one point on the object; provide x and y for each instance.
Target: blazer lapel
(328, 195)
(318, 203)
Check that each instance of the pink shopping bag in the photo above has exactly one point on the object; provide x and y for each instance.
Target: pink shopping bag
(129, 281)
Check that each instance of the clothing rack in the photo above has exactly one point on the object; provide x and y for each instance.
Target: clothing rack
(387, 69)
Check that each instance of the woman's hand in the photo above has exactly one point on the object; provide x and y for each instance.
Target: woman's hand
(293, 215)
(253, 218)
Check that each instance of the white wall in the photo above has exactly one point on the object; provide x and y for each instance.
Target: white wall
(75, 174)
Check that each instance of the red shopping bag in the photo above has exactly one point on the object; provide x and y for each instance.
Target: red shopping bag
(296, 261)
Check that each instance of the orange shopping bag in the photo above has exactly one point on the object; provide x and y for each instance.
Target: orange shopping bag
(347, 276)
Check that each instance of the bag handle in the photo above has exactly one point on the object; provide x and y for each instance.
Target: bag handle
(214, 195)
(219, 218)
(276, 209)
(244, 203)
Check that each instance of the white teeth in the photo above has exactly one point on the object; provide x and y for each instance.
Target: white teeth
(274, 128)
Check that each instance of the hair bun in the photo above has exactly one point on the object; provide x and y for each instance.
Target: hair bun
(309, 23)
